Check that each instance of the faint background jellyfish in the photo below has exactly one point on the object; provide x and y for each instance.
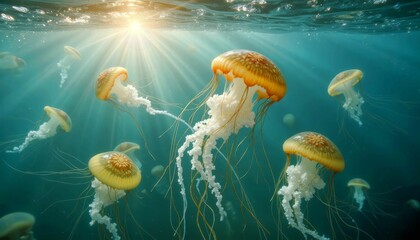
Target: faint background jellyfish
(114, 173)
(11, 63)
(312, 151)
(48, 129)
(129, 148)
(360, 186)
(72, 55)
(247, 73)
(344, 83)
(413, 204)
(161, 184)
(289, 120)
(17, 225)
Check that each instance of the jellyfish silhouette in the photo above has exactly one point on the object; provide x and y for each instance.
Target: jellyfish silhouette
(344, 83)
(72, 55)
(289, 120)
(11, 63)
(161, 184)
(313, 151)
(248, 73)
(359, 186)
(17, 225)
(114, 173)
(48, 129)
(129, 148)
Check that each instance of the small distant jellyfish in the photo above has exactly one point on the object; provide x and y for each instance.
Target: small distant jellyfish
(72, 55)
(312, 151)
(343, 83)
(249, 74)
(289, 120)
(114, 174)
(162, 184)
(17, 225)
(129, 148)
(11, 63)
(48, 129)
(112, 85)
(359, 186)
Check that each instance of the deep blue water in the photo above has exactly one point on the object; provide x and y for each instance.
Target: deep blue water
(171, 66)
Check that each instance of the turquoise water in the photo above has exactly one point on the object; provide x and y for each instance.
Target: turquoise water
(169, 65)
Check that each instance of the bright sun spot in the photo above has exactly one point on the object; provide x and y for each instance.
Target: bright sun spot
(134, 26)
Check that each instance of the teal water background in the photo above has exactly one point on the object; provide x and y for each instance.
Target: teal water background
(173, 66)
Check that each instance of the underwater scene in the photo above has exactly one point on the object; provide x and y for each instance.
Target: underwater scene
(223, 119)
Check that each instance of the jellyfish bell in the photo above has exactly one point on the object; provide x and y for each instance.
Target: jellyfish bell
(359, 185)
(114, 173)
(162, 184)
(58, 118)
(72, 52)
(248, 74)
(11, 63)
(129, 148)
(313, 151)
(17, 225)
(343, 84)
(289, 120)
(72, 55)
(157, 171)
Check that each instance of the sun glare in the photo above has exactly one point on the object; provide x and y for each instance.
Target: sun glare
(134, 26)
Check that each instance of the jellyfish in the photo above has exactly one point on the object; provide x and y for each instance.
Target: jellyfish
(343, 83)
(312, 151)
(112, 83)
(9, 62)
(114, 173)
(161, 183)
(359, 186)
(289, 120)
(128, 148)
(48, 129)
(17, 225)
(248, 73)
(72, 55)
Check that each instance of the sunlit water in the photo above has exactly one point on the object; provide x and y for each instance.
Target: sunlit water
(167, 48)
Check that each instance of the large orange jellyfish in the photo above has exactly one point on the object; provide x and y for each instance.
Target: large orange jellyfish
(248, 73)
(359, 186)
(114, 173)
(312, 151)
(72, 55)
(48, 129)
(343, 83)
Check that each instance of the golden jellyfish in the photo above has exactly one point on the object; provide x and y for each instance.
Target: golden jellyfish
(10, 62)
(359, 186)
(112, 85)
(312, 151)
(72, 55)
(114, 174)
(17, 225)
(248, 74)
(58, 118)
(343, 84)
(129, 148)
